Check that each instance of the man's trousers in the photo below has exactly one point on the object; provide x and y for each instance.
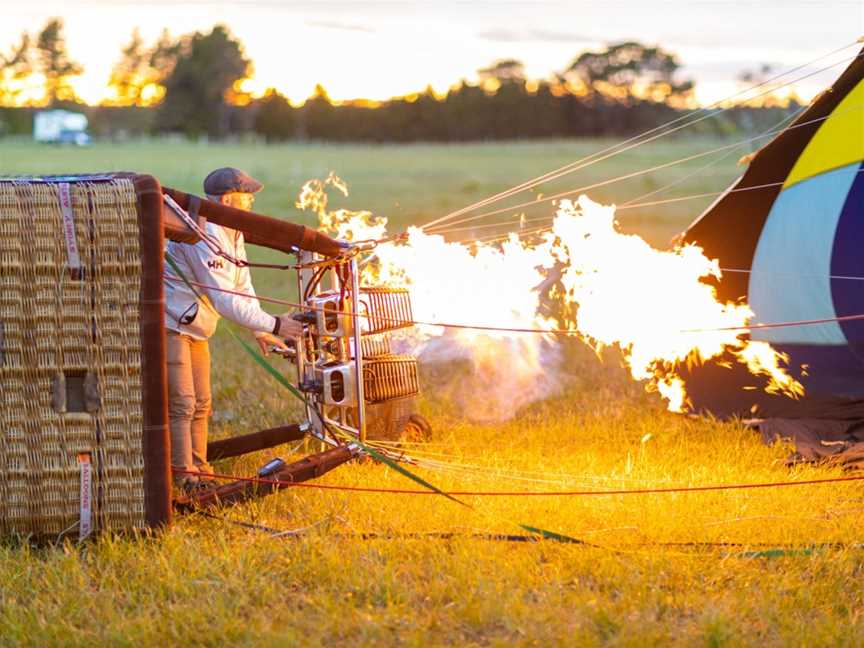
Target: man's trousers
(188, 401)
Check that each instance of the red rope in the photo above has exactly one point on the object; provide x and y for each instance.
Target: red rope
(478, 327)
(636, 491)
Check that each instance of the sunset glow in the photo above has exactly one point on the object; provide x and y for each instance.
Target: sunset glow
(377, 51)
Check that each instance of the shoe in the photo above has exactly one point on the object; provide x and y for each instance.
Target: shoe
(196, 485)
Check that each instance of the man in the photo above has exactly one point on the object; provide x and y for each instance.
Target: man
(191, 320)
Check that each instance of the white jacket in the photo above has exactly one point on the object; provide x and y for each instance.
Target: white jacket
(185, 313)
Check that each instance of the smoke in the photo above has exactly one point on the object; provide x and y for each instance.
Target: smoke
(500, 376)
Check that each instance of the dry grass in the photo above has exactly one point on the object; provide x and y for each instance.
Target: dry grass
(207, 582)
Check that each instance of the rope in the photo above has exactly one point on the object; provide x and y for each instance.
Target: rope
(503, 329)
(754, 549)
(562, 493)
(444, 462)
(810, 322)
(525, 234)
(795, 274)
(567, 169)
(635, 174)
(637, 140)
(384, 458)
(479, 471)
(653, 203)
(780, 125)
(273, 533)
(472, 228)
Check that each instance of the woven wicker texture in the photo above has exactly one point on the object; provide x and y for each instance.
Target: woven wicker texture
(62, 337)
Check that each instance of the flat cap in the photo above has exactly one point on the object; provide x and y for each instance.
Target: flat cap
(230, 180)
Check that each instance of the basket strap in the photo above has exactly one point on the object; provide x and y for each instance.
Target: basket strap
(85, 517)
(74, 257)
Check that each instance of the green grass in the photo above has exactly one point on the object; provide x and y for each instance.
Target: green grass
(206, 582)
(409, 183)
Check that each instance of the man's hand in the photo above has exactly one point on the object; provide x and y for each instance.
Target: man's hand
(288, 326)
(268, 340)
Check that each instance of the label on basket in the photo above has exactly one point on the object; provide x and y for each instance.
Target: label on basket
(85, 520)
(64, 189)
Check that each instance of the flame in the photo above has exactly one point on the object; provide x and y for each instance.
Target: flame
(342, 223)
(617, 290)
(653, 304)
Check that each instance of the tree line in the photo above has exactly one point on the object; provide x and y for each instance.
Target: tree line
(193, 85)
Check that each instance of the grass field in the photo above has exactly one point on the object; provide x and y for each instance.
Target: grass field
(660, 569)
(413, 183)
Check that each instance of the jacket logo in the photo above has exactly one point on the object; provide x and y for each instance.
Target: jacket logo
(189, 314)
(215, 264)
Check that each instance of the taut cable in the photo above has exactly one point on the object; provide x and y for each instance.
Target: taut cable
(638, 140)
(502, 329)
(561, 493)
(636, 174)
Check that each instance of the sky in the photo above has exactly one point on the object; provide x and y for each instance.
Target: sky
(376, 50)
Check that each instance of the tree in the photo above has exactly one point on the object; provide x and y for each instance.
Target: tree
(760, 90)
(501, 73)
(135, 79)
(317, 115)
(629, 70)
(129, 73)
(275, 116)
(164, 55)
(15, 68)
(510, 105)
(751, 78)
(466, 109)
(55, 64)
(206, 69)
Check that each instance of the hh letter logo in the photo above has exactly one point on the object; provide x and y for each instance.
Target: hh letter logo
(215, 264)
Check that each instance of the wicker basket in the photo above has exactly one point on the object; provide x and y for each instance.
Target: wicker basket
(81, 389)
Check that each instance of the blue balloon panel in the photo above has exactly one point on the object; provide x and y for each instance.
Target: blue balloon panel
(847, 260)
(789, 278)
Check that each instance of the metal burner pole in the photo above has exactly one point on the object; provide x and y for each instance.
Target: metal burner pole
(358, 351)
(304, 276)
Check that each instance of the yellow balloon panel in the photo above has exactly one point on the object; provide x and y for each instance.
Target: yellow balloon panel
(838, 142)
